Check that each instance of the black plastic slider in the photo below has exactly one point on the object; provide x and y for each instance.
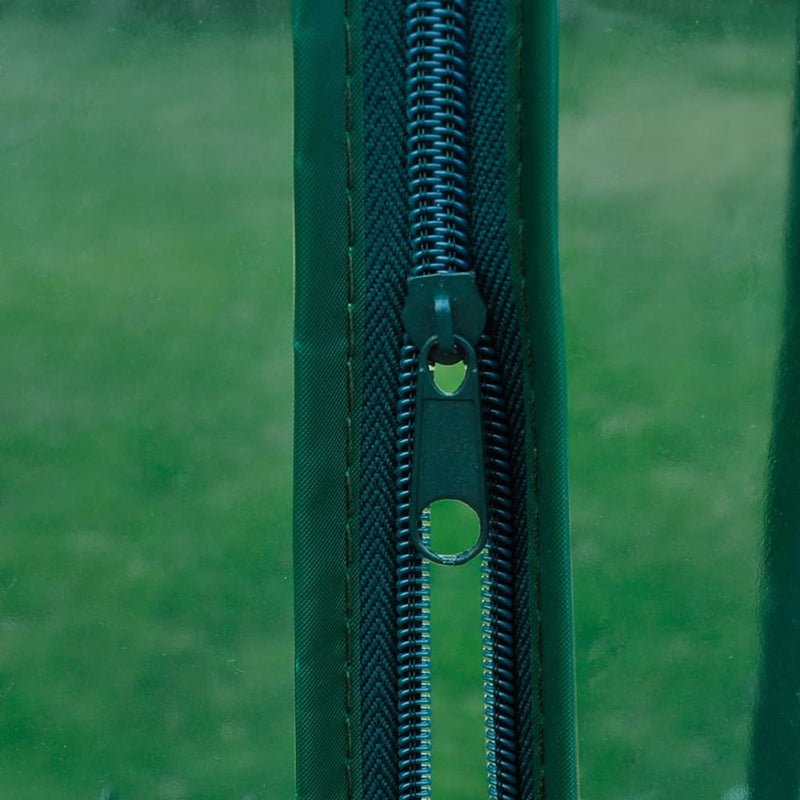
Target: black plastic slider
(425, 314)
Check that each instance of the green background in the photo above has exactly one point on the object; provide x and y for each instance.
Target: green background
(145, 400)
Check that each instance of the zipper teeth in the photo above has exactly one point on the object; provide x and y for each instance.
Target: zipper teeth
(413, 611)
(436, 40)
(438, 167)
(436, 97)
(500, 674)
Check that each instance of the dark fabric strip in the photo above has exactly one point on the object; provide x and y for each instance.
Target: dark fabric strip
(387, 254)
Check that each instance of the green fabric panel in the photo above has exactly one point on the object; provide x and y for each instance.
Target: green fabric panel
(542, 299)
(326, 390)
(775, 759)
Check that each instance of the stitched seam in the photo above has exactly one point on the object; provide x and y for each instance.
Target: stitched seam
(350, 501)
(526, 338)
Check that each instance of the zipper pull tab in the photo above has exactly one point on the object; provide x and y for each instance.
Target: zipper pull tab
(444, 316)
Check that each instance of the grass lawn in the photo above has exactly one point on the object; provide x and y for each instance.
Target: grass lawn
(145, 407)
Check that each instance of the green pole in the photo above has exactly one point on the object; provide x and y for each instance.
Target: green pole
(775, 755)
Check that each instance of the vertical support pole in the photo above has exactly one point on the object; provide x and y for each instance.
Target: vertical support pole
(775, 755)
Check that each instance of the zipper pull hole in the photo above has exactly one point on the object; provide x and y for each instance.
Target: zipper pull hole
(449, 378)
(454, 527)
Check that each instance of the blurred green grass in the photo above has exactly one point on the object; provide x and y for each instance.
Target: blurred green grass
(674, 156)
(145, 311)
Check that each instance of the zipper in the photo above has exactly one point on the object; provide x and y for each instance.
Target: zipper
(439, 290)
(452, 445)
(411, 193)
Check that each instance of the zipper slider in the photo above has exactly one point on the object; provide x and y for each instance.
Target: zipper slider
(444, 317)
